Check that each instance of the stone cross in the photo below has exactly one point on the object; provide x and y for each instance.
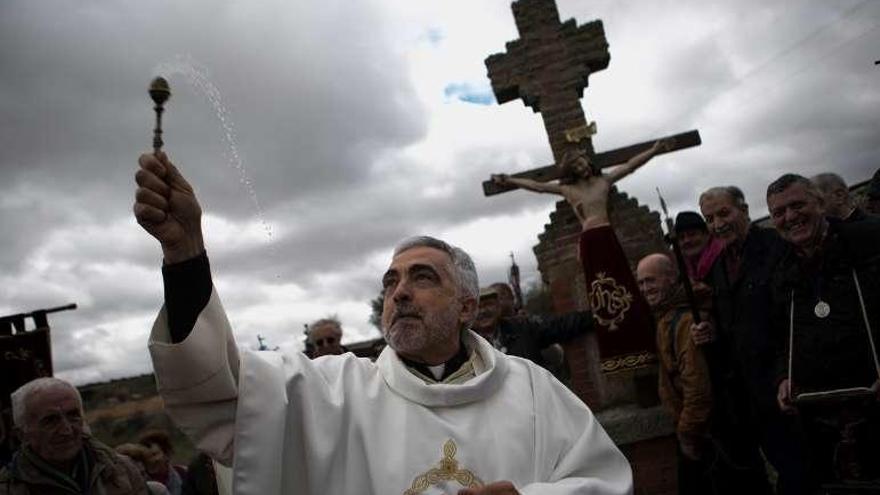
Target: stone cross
(548, 68)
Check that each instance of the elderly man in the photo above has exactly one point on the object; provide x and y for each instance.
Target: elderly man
(525, 335)
(56, 455)
(836, 197)
(826, 302)
(685, 386)
(742, 356)
(412, 422)
(325, 337)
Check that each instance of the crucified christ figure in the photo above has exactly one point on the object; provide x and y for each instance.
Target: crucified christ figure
(586, 192)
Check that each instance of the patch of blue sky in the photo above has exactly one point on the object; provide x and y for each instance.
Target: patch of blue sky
(470, 93)
(433, 36)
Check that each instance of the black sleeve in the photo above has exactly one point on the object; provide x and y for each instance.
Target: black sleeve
(187, 291)
(556, 329)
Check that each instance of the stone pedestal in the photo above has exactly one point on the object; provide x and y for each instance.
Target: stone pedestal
(646, 436)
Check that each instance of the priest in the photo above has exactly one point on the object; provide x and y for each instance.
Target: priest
(440, 412)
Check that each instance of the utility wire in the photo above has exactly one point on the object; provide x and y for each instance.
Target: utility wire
(760, 67)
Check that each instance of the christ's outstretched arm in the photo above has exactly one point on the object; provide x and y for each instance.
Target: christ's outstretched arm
(528, 184)
(637, 161)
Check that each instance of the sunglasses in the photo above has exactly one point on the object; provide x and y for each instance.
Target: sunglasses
(325, 341)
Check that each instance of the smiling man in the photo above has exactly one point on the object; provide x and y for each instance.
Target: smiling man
(826, 300)
(413, 422)
(742, 356)
(56, 455)
(700, 249)
(684, 383)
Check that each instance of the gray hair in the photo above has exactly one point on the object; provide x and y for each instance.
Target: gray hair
(465, 271)
(331, 321)
(787, 180)
(732, 192)
(22, 394)
(828, 182)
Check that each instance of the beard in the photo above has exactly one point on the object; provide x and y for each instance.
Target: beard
(411, 332)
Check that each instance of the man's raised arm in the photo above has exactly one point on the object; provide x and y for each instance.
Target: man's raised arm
(194, 355)
(167, 208)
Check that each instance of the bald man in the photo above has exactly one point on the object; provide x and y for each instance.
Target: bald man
(685, 385)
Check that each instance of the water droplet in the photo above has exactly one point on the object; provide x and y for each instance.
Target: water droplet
(197, 77)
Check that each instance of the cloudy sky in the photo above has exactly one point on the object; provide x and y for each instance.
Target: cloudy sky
(317, 134)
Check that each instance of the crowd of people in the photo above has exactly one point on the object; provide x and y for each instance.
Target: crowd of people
(783, 364)
(764, 337)
(57, 454)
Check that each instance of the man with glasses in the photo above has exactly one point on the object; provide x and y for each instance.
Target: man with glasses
(325, 337)
(57, 455)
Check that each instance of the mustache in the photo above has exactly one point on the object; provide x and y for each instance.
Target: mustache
(405, 311)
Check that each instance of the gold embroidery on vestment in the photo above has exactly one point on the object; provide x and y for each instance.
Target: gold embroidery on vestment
(609, 301)
(628, 362)
(447, 471)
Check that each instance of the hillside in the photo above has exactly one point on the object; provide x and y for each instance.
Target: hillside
(118, 411)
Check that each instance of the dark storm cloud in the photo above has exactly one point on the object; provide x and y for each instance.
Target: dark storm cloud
(314, 94)
(75, 109)
(374, 218)
(771, 90)
(320, 100)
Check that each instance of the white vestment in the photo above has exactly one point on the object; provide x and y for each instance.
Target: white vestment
(345, 425)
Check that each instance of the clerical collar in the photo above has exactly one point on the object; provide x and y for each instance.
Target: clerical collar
(449, 367)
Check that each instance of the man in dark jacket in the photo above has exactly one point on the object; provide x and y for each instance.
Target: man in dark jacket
(826, 301)
(57, 456)
(742, 355)
(836, 198)
(525, 335)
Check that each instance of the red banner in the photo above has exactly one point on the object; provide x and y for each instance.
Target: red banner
(624, 325)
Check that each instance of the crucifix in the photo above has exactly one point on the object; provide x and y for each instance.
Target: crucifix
(548, 68)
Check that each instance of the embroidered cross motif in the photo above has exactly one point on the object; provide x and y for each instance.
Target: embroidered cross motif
(448, 471)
